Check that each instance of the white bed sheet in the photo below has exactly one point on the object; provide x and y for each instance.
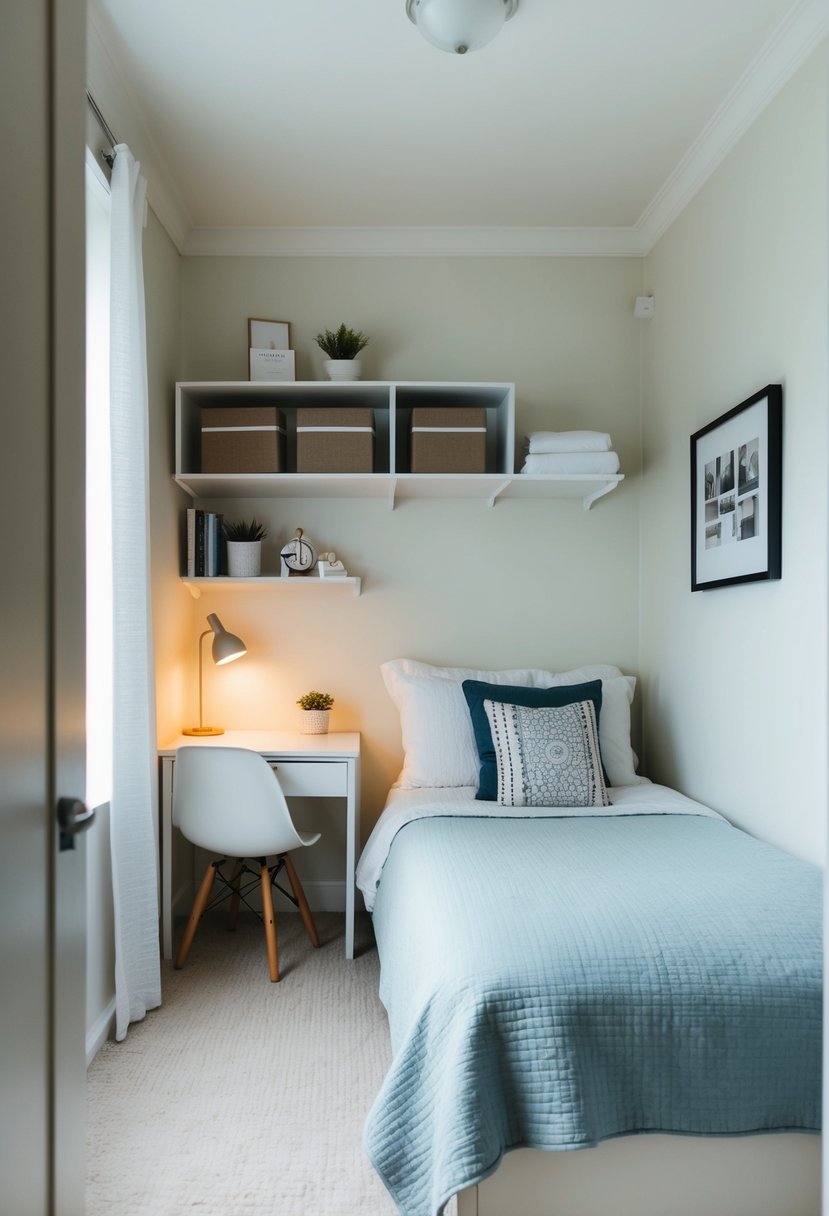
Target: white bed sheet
(404, 806)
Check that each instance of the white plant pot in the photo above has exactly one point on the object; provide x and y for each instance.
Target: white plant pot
(342, 369)
(315, 721)
(244, 558)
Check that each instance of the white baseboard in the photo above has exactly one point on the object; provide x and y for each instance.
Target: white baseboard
(321, 896)
(98, 1033)
(325, 896)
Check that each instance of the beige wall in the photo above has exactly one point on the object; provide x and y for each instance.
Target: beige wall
(735, 679)
(536, 583)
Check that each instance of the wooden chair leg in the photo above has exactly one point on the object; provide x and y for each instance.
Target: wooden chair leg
(299, 896)
(233, 914)
(199, 905)
(269, 920)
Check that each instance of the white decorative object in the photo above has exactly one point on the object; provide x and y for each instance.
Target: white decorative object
(272, 365)
(330, 567)
(297, 557)
(244, 558)
(315, 721)
(342, 369)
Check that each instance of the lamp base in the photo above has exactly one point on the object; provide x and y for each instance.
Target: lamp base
(203, 730)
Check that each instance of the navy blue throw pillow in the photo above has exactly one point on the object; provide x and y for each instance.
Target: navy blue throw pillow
(476, 692)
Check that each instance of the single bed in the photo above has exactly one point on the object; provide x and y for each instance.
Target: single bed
(642, 977)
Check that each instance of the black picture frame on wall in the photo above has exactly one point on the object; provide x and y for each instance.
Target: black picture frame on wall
(736, 494)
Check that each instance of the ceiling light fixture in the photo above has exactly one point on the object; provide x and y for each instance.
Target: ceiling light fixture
(459, 25)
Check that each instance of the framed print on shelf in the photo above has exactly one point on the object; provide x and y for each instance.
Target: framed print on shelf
(736, 494)
(268, 335)
(269, 350)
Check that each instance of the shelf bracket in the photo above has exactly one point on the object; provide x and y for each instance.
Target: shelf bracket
(493, 498)
(392, 492)
(589, 499)
(183, 484)
(194, 591)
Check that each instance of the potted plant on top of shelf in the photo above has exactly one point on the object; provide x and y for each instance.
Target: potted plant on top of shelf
(244, 547)
(342, 347)
(316, 708)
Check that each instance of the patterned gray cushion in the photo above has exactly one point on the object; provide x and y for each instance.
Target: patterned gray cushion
(547, 756)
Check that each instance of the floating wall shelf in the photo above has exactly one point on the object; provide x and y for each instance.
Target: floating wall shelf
(196, 585)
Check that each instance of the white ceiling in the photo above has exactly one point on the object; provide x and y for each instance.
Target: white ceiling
(337, 114)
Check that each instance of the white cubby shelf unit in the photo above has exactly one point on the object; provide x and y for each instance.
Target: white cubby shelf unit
(392, 403)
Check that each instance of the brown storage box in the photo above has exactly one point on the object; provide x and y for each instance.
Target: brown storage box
(242, 439)
(335, 441)
(448, 440)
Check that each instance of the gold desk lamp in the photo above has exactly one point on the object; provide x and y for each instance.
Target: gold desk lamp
(226, 648)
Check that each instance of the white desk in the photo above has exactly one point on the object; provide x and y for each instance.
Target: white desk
(308, 766)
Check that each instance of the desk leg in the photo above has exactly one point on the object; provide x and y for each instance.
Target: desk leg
(167, 765)
(352, 834)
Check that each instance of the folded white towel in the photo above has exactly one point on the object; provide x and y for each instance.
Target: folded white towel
(568, 441)
(572, 462)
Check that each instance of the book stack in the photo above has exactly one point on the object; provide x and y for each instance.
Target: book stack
(204, 543)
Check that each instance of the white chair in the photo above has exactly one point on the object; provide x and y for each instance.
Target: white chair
(229, 801)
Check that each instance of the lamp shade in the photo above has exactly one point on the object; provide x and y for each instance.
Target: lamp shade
(460, 25)
(226, 646)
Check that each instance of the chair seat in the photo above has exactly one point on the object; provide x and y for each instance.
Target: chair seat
(228, 800)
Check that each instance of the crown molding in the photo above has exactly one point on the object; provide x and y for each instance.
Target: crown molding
(107, 82)
(413, 242)
(794, 39)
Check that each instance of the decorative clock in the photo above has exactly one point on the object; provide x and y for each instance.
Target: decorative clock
(297, 557)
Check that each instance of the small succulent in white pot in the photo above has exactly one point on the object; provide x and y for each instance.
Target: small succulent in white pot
(316, 708)
(342, 346)
(244, 547)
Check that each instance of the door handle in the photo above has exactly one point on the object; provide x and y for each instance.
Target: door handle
(74, 816)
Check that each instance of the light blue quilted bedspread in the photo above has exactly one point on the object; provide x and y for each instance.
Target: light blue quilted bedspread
(555, 982)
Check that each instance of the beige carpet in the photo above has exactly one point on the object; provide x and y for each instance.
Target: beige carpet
(239, 1096)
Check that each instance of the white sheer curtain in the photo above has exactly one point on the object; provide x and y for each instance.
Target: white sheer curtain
(134, 786)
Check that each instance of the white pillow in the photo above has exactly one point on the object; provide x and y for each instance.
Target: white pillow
(618, 756)
(438, 740)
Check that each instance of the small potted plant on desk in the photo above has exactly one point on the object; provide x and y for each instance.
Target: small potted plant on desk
(244, 547)
(342, 347)
(317, 707)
